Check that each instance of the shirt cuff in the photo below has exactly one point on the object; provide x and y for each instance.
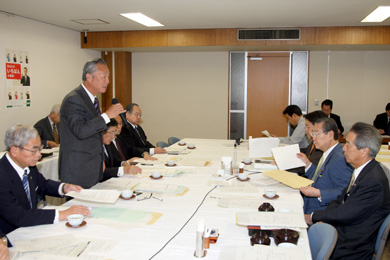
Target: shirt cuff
(308, 167)
(151, 151)
(57, 215)
(106, 118)
(60, 189)
(120, 171)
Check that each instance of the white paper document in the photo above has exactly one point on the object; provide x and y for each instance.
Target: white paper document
(261, 147)
(260, 252)
(271, 219)
(286, 157)
(102, 196)
(116, 184)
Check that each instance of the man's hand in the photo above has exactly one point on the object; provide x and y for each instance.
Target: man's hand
(4, 252)
(131, 169)
(149, 157)
(308, 219)
(115, 110)
(52, 144)
(159, 150)
(304, 159)
(63, 214)
(71, 187)
(381, 131)
(310, 192)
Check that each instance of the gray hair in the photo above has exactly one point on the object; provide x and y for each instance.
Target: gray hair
(367, 136)
(91, 66)
(55, 109)
(18, 135)
(129, 107)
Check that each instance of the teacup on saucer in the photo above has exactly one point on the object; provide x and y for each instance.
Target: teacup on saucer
(127, 194)
(156, 174)
(75, 219)
(270, 193)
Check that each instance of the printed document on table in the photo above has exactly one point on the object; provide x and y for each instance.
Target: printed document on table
(260, 252)
(271, 219)
(102, 196)
(116, 184)
(286, 157)
(290, 179)
(160, 187)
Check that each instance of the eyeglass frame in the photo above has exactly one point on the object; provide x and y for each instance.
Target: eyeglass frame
(33, 152)
(315, 134)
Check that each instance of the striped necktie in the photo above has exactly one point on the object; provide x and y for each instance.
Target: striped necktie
(136, 129)
(350, 185)
(318, 169)
(55, 134)
(26, 186)
(96, 105)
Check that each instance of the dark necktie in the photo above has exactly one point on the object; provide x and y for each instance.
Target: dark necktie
(26, 187)
(119, 148)
(55, 134)
(96, 105)
(136, 129)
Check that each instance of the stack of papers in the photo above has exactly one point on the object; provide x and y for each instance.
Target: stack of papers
(289, 179)
(101, 196)
(271, 220)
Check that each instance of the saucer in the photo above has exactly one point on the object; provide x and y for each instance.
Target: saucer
(274, 198)
(81, 225)
(151, 176)
(170, 165)
(286, 244)
(247, 179)
(191, 147)
(182, 144)
(246, 163)
(132, 197)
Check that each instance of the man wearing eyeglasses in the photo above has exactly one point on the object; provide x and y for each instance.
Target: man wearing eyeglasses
(21, 183)
(134, 135)
(359, 211)
(331, 174)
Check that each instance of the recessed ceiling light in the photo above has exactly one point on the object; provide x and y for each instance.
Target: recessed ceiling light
(142, 19)
(378, 15)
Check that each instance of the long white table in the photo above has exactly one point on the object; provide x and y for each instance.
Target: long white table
(181, 213)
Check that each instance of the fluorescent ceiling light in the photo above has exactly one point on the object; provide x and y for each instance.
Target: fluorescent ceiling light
(378, 15)
(142, 19)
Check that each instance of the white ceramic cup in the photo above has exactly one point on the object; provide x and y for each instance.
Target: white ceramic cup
(247, 160)
(243, 176)
(220, 173)
(171, 162)
(156, 174)
(182, 142)
(127, 194)
(270, 193)
(191, 146)
(75, 219)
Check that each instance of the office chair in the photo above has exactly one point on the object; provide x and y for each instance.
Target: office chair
(381, 238)
(172, 140)
(322, 239)
(162, 144)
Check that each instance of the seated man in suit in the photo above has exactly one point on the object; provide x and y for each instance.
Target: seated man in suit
(21, 183)
(113, 165)
(127, 152)
(134, 135)
(295, 118)
(382, 121)
(326, 107)
(48, 128)
(360, 209)
(331, 174)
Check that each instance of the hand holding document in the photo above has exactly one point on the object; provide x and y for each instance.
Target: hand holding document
(102, 196)
(286, 157)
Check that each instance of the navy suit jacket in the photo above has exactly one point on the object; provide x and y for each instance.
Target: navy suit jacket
(45, 130)
(15, 210)
(358, 220)
(338, 122)
(380, 122)
(334, 175)
(131, 138)
(81, 150)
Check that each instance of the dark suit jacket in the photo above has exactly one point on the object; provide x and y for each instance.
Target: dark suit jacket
(358, 220)
(112, 161)
(81, 151)
(15, 208)
(334, 175)
(129, 151)
(380, 122)
(338, 122)
(25, 81)
(133, 139)
(45, 130)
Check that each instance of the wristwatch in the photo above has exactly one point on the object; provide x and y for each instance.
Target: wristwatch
(143, 154)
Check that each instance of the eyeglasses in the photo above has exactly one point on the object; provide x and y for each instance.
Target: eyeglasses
(34, 151)
(113, 133)
(315, 133)
(137, 115)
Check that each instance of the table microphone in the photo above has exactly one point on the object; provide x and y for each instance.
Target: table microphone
(123, 115)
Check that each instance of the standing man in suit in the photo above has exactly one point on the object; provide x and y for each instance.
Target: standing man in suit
(134, 135)
(25, 80)
(326, 107)
(82, 126)
(21, 183)
(48, 128)
(331, 174)
(382, 121)
(358, 212)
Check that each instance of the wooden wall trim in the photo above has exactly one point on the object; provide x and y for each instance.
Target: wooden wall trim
(369, 35)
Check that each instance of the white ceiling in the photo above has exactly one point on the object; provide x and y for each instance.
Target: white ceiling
(196, 14)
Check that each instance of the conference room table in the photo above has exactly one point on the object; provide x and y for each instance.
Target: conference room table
(172, 235)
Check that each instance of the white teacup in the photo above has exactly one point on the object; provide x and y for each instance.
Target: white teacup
(156, 174)
(182, 142)
(247, 160)
(171, 162)
(127, 194)
(270, 193)
(220, 173)
(75, 219)
(243, 176)
(191, 146)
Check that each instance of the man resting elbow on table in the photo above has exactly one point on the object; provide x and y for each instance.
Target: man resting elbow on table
(21, 183)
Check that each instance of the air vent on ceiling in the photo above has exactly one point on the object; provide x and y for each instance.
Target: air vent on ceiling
(269, 34)
(89, 21)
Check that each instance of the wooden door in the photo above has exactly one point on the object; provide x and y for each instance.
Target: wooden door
(267, 94)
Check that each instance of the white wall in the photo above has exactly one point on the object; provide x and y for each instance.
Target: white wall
(56, 63)
(182, 94)
(359, 83)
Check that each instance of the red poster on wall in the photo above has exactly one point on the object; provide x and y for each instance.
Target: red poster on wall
(12, 71)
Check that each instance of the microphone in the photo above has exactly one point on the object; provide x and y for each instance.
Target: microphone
(123, 115)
